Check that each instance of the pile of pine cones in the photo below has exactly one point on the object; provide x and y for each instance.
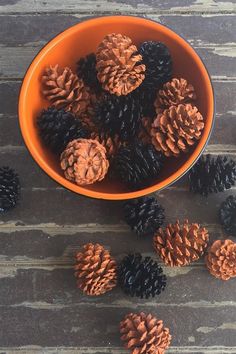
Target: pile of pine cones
(122, 112)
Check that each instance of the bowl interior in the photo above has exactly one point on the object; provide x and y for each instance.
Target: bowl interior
(82, 39)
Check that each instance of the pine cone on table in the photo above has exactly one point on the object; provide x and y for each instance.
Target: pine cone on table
(179, 245)
(177, 128)
(144, 334)
(58, 127)
(9, 189)
(64, 90)
(212, 175)
(228, 215)
(137, 165)
(95, 270)
(118, 65)
(119, 116)
(140, 277)
(84, 161)
(158, 61)
(86, 70)
(175, 92)
(144, 215)
(221, 259)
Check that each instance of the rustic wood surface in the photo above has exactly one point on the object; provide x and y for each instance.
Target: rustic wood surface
(41, 311)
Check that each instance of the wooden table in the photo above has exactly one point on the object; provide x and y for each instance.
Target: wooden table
(41, 311)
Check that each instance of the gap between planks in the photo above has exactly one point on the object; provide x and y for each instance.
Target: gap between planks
(113, 350)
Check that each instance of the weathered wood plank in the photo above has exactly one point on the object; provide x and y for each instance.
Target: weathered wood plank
(219, 61)
(14, 31)
(61, 207)
(118, 6)
(83, 325)
(55, 288)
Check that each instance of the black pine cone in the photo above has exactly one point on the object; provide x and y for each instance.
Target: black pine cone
(137, 165)
(144, 215)
(9, 189)
(119, 116)
(140, 277)
(86, 70)
(228, 215)
(212, 175)
(57, 128)
(158, 61)
(146, 99)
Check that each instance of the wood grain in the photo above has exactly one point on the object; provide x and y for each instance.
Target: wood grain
(119, 6)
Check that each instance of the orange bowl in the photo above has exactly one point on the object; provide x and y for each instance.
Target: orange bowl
(83, 38)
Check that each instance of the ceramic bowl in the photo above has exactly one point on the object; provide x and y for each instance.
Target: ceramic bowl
(77, 41)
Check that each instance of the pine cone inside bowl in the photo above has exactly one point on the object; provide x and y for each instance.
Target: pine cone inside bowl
(179, 245)
(64, 90)
(177, 128)
(175, 92)
(84, 161)
(95, 270)
(118, 65)
(144, 334)
(221, 259)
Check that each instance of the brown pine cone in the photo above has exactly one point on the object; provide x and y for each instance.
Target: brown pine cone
(177, 128)
(221, 259)
(175, 92)
(145, 131)
(84, 161)
(118, 65)
(144, 334)
(95, 270)
(64, 90)
(111, 145)
(179, 245)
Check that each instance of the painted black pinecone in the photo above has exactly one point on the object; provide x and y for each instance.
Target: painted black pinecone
(119, 115)
(141, 277)
(212, 175)
(137, 164)
(57, 128)
(144, 215)
(228, 215)
(86, 70)
(158, 61)
(146, 99)
(9, 189)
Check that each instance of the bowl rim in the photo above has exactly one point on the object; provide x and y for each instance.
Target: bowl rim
(182, 170)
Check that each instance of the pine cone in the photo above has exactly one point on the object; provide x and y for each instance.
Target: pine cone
(137, 165)
(58, 127)
(212, 175)
(144, 334)
(157, 58)
(179, 245)
(144, 215)
(64, 90)
(95, 270)
(119, 116)
(111, 145)
(228, 215)
(175, 92)
(221, 259)
(86, 70)
(84, 161)
(145, 131)
(9, 189)
(118, 65)
(177, 128)
(146, 99)
(140, 277)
